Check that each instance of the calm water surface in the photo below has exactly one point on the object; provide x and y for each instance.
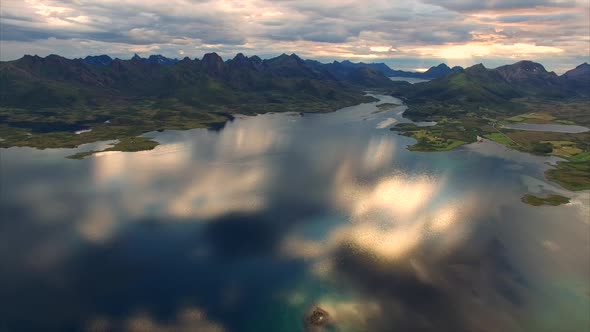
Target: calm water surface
(411, 80)
(247, 228)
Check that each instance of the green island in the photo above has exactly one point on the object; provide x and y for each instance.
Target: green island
(385, 107)
(552, 200)
(127, 144)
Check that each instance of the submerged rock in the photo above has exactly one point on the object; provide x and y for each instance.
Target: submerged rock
(317, 317)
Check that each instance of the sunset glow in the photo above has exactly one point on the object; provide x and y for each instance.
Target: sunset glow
(404, 35)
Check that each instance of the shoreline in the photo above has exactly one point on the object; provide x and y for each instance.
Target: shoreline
(571, 173)
(426, 138)
(132, 135)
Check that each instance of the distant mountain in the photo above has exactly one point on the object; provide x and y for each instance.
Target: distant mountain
(368, 75)
(476, 87)
(54, 81)
(580, 72)
(381, 67)
(338, 69)
(161, 60)
(432, 73)
(531, 76)
(440, 71)
(98, 60)
(105, 60)
(578, 79)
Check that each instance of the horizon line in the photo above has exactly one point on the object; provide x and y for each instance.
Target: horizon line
(415, 70)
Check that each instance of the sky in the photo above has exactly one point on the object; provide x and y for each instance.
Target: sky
(410, 34)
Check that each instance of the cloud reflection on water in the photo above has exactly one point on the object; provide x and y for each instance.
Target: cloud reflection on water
(390, 218)
(416, 241)
(188, 319)
(196, 186)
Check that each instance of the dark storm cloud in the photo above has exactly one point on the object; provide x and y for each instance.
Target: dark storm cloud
(19, 33)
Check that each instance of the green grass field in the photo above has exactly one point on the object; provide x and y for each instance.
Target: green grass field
(533, 117)
(499, 138)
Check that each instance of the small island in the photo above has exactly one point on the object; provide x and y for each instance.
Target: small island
(552, 200)
(127, 144)
(386, 107)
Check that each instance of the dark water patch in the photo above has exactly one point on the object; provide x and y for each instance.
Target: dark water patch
(424, 306)
(157, 267)
(218, 126)
(38, 127)
(240, 236)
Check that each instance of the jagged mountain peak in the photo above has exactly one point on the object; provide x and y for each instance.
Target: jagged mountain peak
(442, 65)
(213, 62)
(213, 56)
(526, 71)
(581, 71)
(160, 59)
(240, 56)
(476, 68)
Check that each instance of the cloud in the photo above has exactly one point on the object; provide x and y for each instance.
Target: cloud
(473, 50)
(477, 5)
(332, 30)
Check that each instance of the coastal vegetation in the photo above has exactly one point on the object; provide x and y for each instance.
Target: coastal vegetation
(128, 144)
(386, 107)
(553, 200)
(54, 102)
(477, 102)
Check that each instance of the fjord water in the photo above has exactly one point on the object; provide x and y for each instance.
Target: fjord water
(248, 227)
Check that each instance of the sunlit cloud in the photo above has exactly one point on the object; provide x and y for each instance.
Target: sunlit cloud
(382, 49)
(474, 50)
(422, 33)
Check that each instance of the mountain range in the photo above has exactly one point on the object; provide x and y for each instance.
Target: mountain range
(55, 81)
(499, 88)
(433, 72)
